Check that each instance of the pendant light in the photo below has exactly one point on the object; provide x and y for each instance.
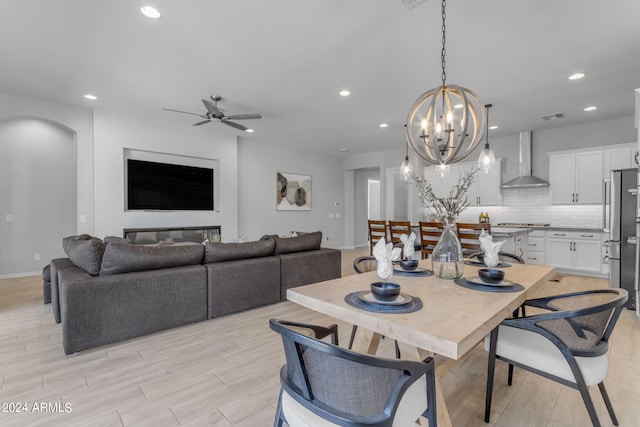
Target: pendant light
(487, 158)
(406, 168)
(445, 124)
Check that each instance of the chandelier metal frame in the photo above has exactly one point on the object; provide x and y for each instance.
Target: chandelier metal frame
(445, 124)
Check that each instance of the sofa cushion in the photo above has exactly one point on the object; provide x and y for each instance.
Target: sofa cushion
(220, 252)
(86, 253)
(126, 258)
(306, 242)
(116, 239)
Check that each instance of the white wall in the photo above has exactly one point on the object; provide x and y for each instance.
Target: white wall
(257, 167)
(113, 132)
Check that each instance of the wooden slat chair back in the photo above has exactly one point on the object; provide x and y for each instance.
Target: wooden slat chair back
(377, 230)
(469, 235)
(430, 233)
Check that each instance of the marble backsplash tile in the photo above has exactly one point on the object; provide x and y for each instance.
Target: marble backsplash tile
(531, 205)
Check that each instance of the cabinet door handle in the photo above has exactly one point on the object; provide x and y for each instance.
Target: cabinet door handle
(586, 235)
(532, 258)
(573, 197)
(559, 234)
(577, 197)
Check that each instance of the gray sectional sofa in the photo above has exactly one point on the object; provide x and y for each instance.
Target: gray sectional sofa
(112, 290)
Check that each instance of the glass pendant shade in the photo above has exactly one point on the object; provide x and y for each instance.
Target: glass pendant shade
(446, 124)
(406, 169)
(487, 159)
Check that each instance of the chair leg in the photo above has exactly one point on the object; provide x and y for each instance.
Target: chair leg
(586, 398)
(510, 379)
(353, 336)
(491, 367)
(607, 402)
(279, 417)
(397, 349)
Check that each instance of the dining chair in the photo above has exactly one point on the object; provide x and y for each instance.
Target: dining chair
(397, 229)
(377, 230)
(361, 265)
(469, 235)
(567, 343)
(430, 233)
(326, 385)
(502, 256)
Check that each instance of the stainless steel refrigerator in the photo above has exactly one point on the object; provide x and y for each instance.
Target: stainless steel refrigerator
(624, 229)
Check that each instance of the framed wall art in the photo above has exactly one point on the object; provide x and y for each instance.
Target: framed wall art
(293, 192)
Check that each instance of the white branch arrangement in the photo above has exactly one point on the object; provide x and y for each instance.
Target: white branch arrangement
(446, 209)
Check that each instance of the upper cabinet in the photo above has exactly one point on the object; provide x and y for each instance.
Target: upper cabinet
(485, 191)
(618, 158)
(576, 178)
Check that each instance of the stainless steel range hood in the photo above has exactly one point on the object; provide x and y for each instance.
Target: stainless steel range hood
(525, 179)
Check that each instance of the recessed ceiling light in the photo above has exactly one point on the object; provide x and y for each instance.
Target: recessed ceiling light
(150, 12)
(384, 125)
(249, 130)
(344, 150)
(494, 127)
(91, 97)
(345, 93)
(576, 76)
(591, 108)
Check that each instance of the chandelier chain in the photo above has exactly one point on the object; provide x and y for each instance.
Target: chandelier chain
(444, 40)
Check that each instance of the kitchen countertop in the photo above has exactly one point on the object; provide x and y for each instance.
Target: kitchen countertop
(512, 231)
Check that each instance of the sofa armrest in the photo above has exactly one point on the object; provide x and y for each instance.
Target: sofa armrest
(303, 268)
(55, 266)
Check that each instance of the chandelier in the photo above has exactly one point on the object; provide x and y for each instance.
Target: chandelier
(445, 124)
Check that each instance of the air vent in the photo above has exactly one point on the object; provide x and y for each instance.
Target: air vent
(412, 3)
(553, 116)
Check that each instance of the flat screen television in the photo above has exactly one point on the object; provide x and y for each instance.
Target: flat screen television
(164, 186)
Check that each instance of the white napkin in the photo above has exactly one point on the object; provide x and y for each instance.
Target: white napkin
(385, 253)
(490, 249)
(408, 249)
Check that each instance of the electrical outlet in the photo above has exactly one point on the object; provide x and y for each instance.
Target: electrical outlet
(83, 218)
(9, 217)
(36, 257)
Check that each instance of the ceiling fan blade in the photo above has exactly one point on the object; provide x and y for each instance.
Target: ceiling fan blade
(234, 125)
(243, 116)
(185, 112)
(212, 108)
(202, 122)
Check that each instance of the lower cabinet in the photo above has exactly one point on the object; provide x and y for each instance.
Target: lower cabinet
(535, 246)
(573, 251)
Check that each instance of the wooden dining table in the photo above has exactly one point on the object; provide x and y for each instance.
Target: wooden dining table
(452, 320)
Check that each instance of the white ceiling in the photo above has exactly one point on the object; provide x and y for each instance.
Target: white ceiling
(288, 59)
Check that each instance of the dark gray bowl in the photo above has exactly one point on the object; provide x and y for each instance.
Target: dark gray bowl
(409, 264)
(491, 275)
(385, 291)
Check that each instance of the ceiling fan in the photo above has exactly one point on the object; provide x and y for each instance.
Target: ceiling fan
(214, 113)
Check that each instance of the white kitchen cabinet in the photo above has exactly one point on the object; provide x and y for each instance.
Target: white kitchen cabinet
(574, 251)
(576, 178)
(620, 157)
(516, 245)
(485, 190)
(535, 248)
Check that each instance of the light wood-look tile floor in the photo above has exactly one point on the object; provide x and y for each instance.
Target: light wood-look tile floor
(224, 372)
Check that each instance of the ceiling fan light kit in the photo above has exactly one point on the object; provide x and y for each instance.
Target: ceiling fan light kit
(445, 124)
(215, 113)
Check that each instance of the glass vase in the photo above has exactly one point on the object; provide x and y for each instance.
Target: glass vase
(447, 261)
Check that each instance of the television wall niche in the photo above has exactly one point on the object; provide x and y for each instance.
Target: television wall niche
(164, 182)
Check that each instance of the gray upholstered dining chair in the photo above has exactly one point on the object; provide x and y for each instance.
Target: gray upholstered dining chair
(361, 265)
(567, 343)
(325, 385)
